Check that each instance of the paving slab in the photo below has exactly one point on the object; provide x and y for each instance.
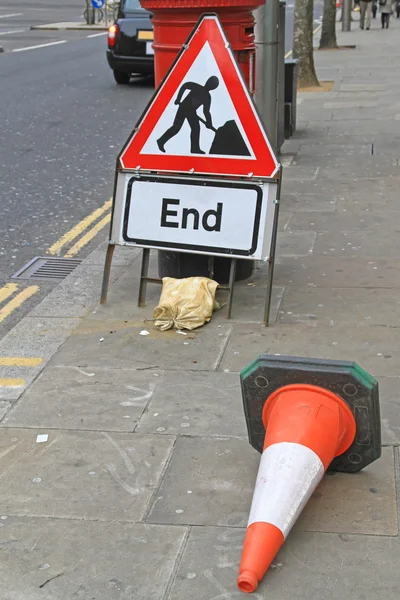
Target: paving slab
(308, 202)
(346, 104)
(389, 397)
(295, 243)
(363, 87)
(351, 307)
(210, 480)
(249, 301)
(324, 271)
(374, 349)
(55, 559)
(342, 220)
(357, 244)
(74, 398)
(351, 170)
(80, 475)
(294, 173)
(310, 130)
(97, 343)
(309, 565)
(333, 150)
(361, 188)
(196, 404)
(351, 113)
(367, 127)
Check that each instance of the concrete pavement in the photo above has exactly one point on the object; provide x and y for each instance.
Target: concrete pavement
(143, 486)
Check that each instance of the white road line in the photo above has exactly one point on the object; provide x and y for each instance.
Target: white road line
(11, 32)
(9, 16)
(41, 46)
(97, 34)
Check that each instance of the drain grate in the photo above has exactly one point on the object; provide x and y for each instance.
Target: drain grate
(42, 267)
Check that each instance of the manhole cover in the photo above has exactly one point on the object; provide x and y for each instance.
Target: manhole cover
(42, 267)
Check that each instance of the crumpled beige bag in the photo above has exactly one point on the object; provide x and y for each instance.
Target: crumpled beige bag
(186, 303)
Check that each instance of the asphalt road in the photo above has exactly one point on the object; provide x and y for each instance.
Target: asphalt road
(62, 122)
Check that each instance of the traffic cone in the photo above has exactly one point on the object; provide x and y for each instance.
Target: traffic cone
(305, 428)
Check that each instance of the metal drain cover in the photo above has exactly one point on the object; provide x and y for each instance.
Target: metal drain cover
(42, 267)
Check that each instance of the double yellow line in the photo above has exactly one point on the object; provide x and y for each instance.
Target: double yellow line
(10, 290)
(16, 361)
(17, 299)
(83, 231)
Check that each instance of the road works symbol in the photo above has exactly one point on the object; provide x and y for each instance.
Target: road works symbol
(215, 130)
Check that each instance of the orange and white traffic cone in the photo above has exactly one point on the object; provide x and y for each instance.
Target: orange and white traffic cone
(306, 427)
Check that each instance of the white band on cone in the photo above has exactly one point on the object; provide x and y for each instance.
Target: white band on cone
(287, 476)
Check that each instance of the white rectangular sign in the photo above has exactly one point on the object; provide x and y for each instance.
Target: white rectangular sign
(223, 218)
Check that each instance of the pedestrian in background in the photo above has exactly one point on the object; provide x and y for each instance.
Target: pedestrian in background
(385, 8)
(365, 13)
(374, 8)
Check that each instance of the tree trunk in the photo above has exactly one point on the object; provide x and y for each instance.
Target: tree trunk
(328, 33)
(303, 42)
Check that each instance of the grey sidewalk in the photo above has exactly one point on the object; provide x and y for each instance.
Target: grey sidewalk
(143, 488)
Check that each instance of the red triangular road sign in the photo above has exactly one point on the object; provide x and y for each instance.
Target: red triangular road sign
(202, 118)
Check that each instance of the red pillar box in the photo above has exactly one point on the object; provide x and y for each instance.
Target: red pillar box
(174, 20)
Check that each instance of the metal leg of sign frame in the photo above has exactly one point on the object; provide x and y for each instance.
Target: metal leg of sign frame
(106, 273)
(271, 262)
(231, 284)
(144, 279)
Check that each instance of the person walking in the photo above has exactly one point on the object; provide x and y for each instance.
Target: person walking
(385, 8)
(374, 8)
(365, 13)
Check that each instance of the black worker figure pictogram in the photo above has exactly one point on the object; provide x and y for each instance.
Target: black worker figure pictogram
(228, 139)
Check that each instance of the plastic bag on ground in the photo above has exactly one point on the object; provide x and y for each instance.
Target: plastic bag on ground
(185, 303)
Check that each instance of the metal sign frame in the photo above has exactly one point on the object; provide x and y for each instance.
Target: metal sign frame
(144, 279)
(149, 168)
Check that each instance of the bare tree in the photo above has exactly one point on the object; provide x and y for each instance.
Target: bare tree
(303, 42)
(328, 33)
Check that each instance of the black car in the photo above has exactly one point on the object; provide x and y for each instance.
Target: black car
(130, 42)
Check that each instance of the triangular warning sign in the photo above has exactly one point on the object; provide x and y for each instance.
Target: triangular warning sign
(202, 118)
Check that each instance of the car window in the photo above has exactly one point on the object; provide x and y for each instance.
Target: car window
(131, 5)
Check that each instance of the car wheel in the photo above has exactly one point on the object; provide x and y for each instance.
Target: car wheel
(121, 78)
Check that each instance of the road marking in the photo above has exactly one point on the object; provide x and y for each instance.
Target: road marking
(7, 382)
(40, 46)
(314, 32)
(11, 15)
(79, 228)
(19, 361)
(11, 32)
(7, 291)
(97, 34)
(17, 301)
(88, 236)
